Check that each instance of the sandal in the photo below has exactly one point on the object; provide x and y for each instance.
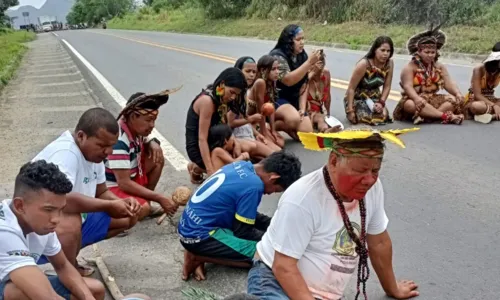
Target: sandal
(155, 211)
(450, 118)
(85, 271)
(196, 178)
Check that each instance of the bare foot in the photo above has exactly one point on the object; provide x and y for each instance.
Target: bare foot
(199, 273)
(190, 265)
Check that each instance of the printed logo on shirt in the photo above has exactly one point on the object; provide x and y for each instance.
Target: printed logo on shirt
(2, 213)
(24, 253)
(86, 180)
(208, 187)
(344, 251)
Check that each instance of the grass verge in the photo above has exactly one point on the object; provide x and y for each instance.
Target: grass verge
(12, 50)
(461, 39)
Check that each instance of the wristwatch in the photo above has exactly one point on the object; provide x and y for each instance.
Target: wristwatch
(154, 140)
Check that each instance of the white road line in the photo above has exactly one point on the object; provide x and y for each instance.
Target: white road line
(176, 159)
(55, 34)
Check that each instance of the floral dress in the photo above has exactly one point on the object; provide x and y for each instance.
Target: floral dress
(427, 82)
(370, 88)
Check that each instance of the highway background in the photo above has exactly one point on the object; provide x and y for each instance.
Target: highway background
(441, 191)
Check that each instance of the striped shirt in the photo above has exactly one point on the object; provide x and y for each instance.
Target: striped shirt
(125, 155)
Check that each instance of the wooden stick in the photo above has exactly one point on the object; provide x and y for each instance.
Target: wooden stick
(113, 288)
(161, 219)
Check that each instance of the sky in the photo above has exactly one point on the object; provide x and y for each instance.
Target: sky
(34, 3)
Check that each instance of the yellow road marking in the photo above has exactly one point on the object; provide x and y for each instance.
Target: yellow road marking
(337, 83)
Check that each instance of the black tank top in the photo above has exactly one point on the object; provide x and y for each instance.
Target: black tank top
(290, 93)
(193, 119)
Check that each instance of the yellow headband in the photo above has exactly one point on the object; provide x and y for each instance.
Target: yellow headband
(334, 141)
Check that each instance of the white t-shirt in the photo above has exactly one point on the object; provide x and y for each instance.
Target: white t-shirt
(84, 175)
(16, 250)
(308, 226)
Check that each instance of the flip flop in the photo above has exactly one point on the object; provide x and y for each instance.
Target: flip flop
(195, 177)
(50, 273)
(156, 210)
(85, 271)
(123, 234)
(484, 118)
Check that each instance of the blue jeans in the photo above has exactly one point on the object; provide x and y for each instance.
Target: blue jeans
(263, 284)
(57, 285)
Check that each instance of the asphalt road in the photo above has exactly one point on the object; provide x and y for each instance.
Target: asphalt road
(440, 191)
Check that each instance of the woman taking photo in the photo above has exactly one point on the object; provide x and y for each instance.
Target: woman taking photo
(294, 65)
(208, 109)
(364, 102)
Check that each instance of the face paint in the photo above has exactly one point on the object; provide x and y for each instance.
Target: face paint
(355, 187)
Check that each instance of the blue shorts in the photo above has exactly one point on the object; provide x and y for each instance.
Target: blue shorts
(283, 101)
(57, 285)
(94, 229)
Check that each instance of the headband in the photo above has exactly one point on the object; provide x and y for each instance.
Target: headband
(341, 142)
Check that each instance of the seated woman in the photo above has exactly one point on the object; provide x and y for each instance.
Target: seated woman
(134, 167)
(318, 95)
(249, 139)
(364, 102)
(264, 91)
(221, 143)
(208, 109)
(422, 79)
(294, 65)
(480, 101)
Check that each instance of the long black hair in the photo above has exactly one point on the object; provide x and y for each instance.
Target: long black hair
(231, 77)
(492, 66)
(265, 64)
(219, 135)
(242, 61)
(285, 43)
(377, 44)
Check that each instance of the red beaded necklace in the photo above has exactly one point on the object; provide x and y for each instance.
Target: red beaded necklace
(361, 250)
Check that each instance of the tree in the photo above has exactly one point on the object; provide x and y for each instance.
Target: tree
(94, 12)
(4, 5)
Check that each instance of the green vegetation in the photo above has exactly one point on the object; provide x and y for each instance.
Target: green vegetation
(471, 25)
(11, 52)
(93, 12)
(4, 5)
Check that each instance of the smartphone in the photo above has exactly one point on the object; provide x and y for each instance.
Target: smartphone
(370, 104)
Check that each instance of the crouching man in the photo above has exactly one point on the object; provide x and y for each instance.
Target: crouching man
(220, 223)
(27, 231)
(93, 213)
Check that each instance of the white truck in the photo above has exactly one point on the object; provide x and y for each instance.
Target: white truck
(46, 22)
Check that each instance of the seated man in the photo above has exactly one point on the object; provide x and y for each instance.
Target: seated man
(135, 166)
(80, 156)
(220, 223)
(27, 224)
(326, 222)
